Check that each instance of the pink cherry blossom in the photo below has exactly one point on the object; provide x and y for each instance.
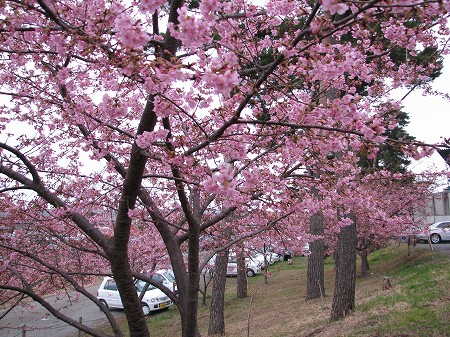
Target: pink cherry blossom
(130, 32)
(334, 6)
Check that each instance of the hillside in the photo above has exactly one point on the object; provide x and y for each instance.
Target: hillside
(418, 304)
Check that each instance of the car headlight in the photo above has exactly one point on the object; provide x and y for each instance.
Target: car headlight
(153, 300)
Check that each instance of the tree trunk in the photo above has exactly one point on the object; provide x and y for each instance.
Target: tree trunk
(266, 266)
(344, 291)
(241, 282)
(315, 286)
(117, 253)
(206, 280)
(216, 318)
(190, 302)
(363, 251)
(121, 270)
(364, 262)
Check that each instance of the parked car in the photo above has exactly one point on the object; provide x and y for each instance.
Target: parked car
(305, 249)
(270, 258)
(166, 278)
(154, 299)
(437, 232)
(274, 257)
(253, 267)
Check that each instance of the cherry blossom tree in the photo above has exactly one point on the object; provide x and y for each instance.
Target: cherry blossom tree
(130, 129)
(374, 231)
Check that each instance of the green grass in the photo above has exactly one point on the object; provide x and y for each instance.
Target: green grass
(418, 304)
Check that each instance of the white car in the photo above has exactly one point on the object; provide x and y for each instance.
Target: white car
(166, 278)
(270, 259)
(437, 232)
(253, 267)
(274, 257)
(258, 258)
(305, 249)
(154, 299)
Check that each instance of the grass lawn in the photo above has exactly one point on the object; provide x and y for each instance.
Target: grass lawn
(418, 304)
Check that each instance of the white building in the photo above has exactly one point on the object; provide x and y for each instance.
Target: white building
(437, 207)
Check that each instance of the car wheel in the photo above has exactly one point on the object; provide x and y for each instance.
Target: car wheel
(435, 238)
(145, 309)
(103, 302)
(250, 273)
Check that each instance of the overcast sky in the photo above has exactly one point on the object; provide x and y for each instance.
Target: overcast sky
(430, 118)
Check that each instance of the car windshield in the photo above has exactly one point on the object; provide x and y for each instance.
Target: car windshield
(140, 285)
(169, 276)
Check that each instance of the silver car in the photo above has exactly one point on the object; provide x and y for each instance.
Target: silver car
(437, 232)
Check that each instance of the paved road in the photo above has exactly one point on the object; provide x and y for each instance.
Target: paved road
(38, 323)
(442, 248)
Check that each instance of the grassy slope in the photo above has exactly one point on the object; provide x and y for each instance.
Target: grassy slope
(418, 304)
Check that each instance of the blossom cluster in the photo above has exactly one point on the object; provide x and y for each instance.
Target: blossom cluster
(334, 6)
(130, 32)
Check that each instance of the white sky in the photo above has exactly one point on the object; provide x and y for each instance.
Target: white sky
(429, 118)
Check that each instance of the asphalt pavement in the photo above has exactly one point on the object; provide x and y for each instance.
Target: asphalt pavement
(441, 248)
(33, 320)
